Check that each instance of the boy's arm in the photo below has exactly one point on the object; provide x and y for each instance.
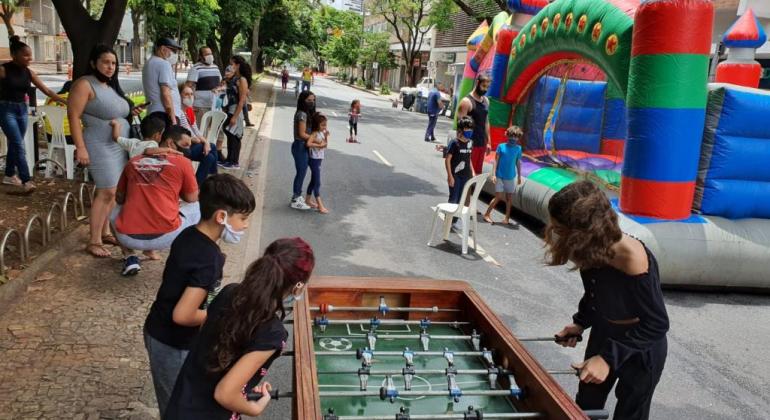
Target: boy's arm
(494, 167)
(186, 312)
(127, 144)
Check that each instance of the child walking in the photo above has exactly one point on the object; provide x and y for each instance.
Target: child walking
(317, 143)
(622, 303)
(355, 113)
(191, 277)
(241, 338)
(507, 166)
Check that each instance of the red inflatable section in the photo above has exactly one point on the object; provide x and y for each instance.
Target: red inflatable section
(613, 148)
(741, 74)
(659, 30)
(663, 200)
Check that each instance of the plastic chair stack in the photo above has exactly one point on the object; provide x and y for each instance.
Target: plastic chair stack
(58, 146)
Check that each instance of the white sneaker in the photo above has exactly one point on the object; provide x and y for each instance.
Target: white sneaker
(12, 180)
(458, 225)
(299, 204)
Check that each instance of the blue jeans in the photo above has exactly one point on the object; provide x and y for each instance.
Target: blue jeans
(13, 121)
(432, 119)
(305, 85)
(456, 191)
(165, 364)
(315, 177)
(301, 157)
(207, 164)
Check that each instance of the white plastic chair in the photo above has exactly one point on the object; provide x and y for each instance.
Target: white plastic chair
(55, 116)
(212, 121)
(461, 211)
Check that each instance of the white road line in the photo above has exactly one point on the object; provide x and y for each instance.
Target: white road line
(382, 158)
(334, 113)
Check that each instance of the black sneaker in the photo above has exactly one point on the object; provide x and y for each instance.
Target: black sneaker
(131, 266)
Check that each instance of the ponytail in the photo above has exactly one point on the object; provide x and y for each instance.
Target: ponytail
(259, 298)
(16, 45)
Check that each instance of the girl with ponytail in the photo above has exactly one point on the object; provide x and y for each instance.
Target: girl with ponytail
(242, 336)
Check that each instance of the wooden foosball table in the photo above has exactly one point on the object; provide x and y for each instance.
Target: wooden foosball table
(407, 349)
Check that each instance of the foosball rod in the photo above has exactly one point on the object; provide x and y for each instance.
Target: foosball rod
(385, 322)
(440, 337)
(400, 353)
(591, 414)
(442, 372)
(331, 308)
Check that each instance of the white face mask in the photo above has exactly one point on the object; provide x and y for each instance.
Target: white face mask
(289, 300)
(229, 69)
(188, 101)
(173, 58)
(229, 235)
(208, 59)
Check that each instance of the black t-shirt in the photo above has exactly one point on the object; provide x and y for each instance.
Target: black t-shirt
(193, 396)
(461, 158)
(194, 261)
(479, 115)
(16, 82)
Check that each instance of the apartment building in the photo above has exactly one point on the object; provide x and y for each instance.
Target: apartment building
(395, 78)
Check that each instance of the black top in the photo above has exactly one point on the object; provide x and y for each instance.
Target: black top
(460, 163)
(194, 261)
(16, 82)
(193, 396)
(612, 295)
(479, 114)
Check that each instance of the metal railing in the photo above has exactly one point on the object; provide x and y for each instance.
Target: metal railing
(70, 207)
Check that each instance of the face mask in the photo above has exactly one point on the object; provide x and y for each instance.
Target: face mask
(513, 140)
(188, 101)
(101, 76)
(208, 59)
(173, 58)
(229, 235)
(289, 300)
(229, 69)
(468, 134)
(481, 91)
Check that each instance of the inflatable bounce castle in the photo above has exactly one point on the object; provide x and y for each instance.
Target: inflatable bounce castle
(617, 91)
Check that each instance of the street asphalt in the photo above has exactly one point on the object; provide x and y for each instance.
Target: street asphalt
(380, 193)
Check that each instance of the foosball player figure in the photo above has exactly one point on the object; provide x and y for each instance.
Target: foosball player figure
(622, 304)
(242, 337)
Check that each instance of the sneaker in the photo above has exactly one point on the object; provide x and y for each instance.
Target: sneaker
(131, 266)
(458, 225)
(12, 180)
(222, 164)
(299, 204)
(233, 166)
(29, 186)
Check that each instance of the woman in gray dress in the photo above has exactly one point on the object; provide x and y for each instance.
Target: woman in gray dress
(96, 99)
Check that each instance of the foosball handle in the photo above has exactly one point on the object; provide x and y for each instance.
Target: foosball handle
(558, 339)
(274, 394)
(597, 414)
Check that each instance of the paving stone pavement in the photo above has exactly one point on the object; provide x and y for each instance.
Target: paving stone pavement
(71, 345)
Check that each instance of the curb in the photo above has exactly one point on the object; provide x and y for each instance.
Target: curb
(14, 288)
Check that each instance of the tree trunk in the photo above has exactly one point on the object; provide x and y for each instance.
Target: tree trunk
(259, 65)
(136, 41)
(226, 45)
(7, 16)
(192, 47)
(255, 49)
(84, 32)
(214, 45)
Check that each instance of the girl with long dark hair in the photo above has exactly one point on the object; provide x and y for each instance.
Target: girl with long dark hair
(622, 304)
(299, 150)
(15, 80)
(241, 338)
(238, 85)
(96, 99)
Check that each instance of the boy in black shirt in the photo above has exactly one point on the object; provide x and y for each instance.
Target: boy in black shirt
(458, 159)
(191, 278)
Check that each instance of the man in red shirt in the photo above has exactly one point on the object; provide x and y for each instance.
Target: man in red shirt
(149, 216)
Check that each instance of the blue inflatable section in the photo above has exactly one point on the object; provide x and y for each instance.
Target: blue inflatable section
(578, 115)
(615, 123)
(734, 171)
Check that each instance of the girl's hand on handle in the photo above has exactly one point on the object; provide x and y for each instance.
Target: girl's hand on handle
(573, 330)
(81, 155)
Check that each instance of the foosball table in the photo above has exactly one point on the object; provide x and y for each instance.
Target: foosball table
(408, 349)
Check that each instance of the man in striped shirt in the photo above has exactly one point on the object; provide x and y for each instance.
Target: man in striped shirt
(204, 78)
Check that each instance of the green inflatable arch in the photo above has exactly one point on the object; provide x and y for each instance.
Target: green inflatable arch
(571, 30)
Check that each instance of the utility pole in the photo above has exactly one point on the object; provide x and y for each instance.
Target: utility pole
(363, 30)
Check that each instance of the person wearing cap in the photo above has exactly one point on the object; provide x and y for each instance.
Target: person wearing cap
(160, 86)
(162, 92)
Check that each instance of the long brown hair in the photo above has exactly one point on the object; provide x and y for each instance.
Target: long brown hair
(582, 227)
(259, 298)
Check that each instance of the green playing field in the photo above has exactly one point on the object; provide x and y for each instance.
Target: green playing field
(355, 337)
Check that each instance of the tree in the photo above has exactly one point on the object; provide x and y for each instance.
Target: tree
(137, 9)
(410, 21)
(481, 9)
(376, 49)
(190, 20)
(7, 9)
(85, 31)
(235, 16)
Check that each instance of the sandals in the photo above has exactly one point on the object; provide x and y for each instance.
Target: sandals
(110, 240)
(489, 220)
(98, 250)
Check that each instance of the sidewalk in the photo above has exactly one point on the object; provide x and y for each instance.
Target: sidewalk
(71, 345)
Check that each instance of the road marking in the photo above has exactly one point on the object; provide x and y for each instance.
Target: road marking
(382, 158)
(334, 113)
